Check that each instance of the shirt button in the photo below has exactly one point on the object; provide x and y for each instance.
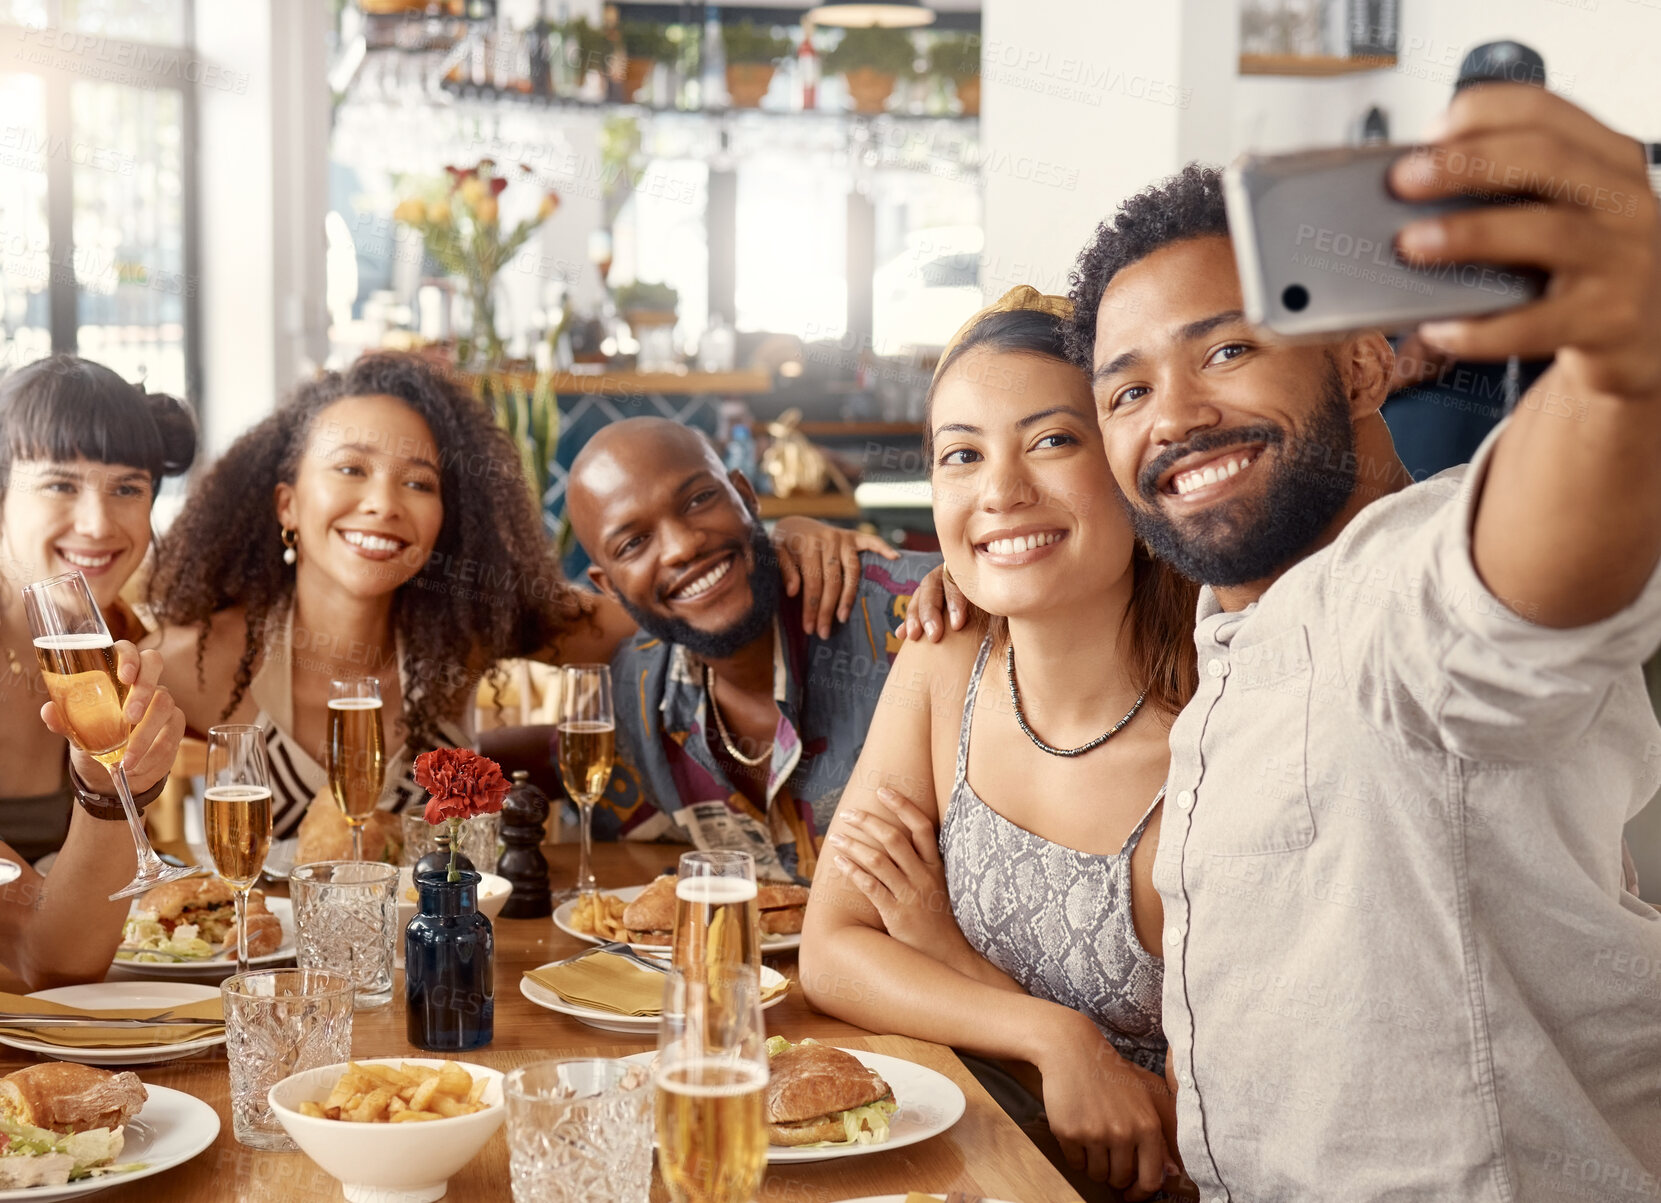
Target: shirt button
(1185, 799)
(1216, 668)
(1174, 933)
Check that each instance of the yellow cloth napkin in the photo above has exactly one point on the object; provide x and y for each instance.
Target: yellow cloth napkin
(209, 1014)
(608, 982)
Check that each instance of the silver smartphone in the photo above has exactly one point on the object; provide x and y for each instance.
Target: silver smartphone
(1314, 238)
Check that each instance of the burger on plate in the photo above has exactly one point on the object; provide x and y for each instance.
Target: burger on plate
(818, 1095)
(192, 916)
(650, 918)
(59, 1120)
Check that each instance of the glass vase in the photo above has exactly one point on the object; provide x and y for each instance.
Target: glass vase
(449, 962)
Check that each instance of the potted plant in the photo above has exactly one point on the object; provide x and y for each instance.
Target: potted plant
(644, 304)
(957, 57)
(644, 43)
(872, 60)
(753, 52)
(584, 48)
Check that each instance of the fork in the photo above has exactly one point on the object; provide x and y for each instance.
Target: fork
(622, 950)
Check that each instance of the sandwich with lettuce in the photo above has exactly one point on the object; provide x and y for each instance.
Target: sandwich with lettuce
(819, 1096)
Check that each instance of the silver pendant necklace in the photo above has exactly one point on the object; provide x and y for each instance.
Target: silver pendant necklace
(1015, 700)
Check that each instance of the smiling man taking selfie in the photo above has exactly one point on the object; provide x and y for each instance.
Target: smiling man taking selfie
(1399, 959)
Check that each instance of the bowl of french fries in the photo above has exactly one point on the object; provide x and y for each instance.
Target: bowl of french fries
(392, 1129)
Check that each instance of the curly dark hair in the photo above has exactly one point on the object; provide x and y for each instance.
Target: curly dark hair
(1187, 205)
(490, 589)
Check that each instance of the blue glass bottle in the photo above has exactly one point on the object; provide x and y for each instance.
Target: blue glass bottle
(449, 955)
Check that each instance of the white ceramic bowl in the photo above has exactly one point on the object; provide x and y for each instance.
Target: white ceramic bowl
(387, 1163)
(493, 896)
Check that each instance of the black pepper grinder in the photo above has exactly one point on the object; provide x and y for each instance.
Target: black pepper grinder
(523, 814)
(438, 860)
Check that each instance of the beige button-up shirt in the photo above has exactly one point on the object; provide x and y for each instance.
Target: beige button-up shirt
(1400, 963)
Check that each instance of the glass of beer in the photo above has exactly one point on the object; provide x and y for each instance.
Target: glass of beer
(236, 812)
(711, 1086)
(717, 921)
(78, 664)
(587, 749)
(356, 754)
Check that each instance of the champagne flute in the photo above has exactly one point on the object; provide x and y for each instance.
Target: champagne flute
(587, 749)
(710, 1086)
(77, 662)
(357, 752)
(10, 871)
(237, 815)
(717, 921)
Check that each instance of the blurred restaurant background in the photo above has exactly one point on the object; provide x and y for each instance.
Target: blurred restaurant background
(762, 219)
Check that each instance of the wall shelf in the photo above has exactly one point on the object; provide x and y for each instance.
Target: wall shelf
(1313, 65)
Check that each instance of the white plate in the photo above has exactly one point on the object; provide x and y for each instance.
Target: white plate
(219, 966)
(172, 1128)
(611, 1021)
(562, 920)
(116, 996)
(929, 1102)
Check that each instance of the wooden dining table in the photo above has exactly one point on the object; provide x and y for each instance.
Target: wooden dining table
(983, 1154)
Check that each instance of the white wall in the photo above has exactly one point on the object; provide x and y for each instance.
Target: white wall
(262, 177)
(1084, 103)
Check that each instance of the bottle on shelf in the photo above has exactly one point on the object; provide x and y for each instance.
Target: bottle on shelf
(713, 61)
(807, 72)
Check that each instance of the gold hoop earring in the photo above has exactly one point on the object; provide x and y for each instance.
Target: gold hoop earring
(290, 537)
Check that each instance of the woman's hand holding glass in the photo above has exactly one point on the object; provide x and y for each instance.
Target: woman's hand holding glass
(894, 860)
(158, 724)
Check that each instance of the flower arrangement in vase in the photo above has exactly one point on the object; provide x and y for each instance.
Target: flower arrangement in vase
(462, 229)
(449, 948)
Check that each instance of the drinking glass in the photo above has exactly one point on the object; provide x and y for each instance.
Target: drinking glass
(356, 753)
(587, 748)
(710, 1086)
(77, 661)
(481, 839)
(346, 922)
(580, 1130)
(236, 813)
(279, 1022)
(717, 921)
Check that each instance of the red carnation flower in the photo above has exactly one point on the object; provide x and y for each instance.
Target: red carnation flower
(462, 784)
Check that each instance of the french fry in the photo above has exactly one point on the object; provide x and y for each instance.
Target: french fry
(476, 1094)
(312, 1109)
(449, 1107)
(423, 1094)
(387, 1075)
(372, 1108)
(419, 1072)
(413, 1117)
(453, 1080)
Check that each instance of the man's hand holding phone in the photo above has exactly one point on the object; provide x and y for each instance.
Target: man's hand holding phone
(1592, 224)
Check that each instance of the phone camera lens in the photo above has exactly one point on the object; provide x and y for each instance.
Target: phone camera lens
(1295, 297)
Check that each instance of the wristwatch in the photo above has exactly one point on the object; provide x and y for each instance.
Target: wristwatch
(102, 806)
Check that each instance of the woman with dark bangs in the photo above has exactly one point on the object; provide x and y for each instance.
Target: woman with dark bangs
(82, 453)
(378, 524)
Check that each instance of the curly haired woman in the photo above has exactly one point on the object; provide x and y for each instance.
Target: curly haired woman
(377, 524)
